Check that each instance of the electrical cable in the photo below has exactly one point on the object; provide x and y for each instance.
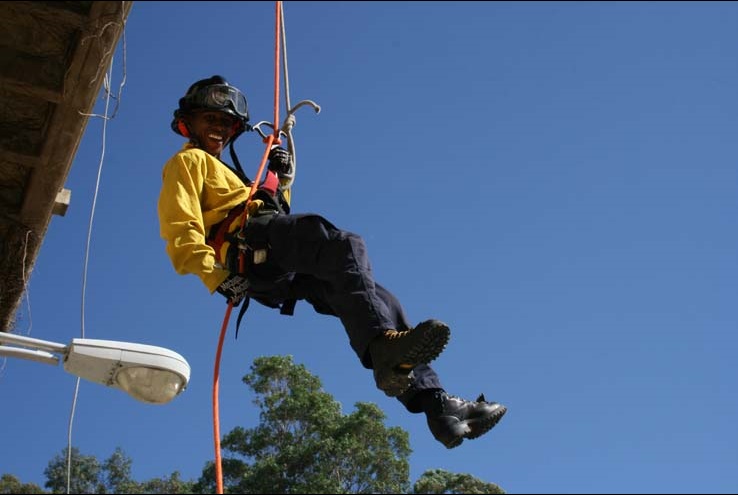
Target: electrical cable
(105, 118)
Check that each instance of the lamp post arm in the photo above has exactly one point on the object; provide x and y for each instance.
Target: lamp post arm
(44, 345)
(41, 351)
(38, 356)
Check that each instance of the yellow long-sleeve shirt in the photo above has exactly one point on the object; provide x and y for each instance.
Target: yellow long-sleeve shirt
(197, 192)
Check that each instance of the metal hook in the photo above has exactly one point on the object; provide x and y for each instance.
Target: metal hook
(286, 131)
(257, 128)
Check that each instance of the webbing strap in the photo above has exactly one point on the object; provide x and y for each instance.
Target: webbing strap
(286, 308)
(270, 183)
(246, 301)
(219, 231)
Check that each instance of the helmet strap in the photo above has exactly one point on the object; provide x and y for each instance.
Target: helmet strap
(237, 164)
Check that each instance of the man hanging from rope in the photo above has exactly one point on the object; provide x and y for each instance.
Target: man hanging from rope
(289, 257)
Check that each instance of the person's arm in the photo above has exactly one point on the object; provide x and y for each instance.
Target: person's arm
(181, 221)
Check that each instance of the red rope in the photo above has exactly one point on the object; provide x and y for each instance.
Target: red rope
(270, 141)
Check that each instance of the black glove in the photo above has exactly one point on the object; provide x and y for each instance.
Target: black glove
(280, 161)
(234, 289)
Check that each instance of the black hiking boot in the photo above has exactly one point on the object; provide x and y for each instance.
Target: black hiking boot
(452, 419)
(395, 354)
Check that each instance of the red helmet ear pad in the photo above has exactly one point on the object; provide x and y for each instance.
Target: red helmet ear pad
(182, 128)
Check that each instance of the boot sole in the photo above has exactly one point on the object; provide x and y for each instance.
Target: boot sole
(475, 428)
(395, 378)
(481, 426)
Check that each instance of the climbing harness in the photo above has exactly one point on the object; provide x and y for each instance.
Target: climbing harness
(226, 237)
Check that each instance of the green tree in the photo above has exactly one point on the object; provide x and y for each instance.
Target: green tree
(11, 484)
(172, 484)
(304, 444)
(441, 481)
(116, 474)
(112, 476)
(85, 473)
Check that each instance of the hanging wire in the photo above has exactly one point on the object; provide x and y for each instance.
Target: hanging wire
(105, 118)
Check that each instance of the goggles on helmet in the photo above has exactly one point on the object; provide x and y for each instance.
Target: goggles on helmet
(220, 97)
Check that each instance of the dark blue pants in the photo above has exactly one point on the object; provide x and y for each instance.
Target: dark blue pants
(310, 259)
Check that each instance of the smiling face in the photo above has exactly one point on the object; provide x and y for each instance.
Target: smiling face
(212, 130)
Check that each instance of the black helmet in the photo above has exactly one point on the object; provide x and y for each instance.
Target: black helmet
(213, 93)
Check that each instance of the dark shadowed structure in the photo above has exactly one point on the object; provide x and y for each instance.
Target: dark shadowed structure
(53, 60)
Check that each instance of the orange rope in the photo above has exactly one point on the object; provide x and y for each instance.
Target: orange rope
(216, 412)
(270, 141)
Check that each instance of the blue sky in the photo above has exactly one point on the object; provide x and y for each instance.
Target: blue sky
(557, 181)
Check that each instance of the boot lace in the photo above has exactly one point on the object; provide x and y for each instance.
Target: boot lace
(394, 334)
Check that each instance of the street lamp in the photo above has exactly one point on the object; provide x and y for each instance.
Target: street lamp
(148, 373)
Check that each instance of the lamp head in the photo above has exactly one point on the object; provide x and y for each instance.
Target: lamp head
(148, 373)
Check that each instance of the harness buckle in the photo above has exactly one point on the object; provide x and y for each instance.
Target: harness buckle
(260, 256)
